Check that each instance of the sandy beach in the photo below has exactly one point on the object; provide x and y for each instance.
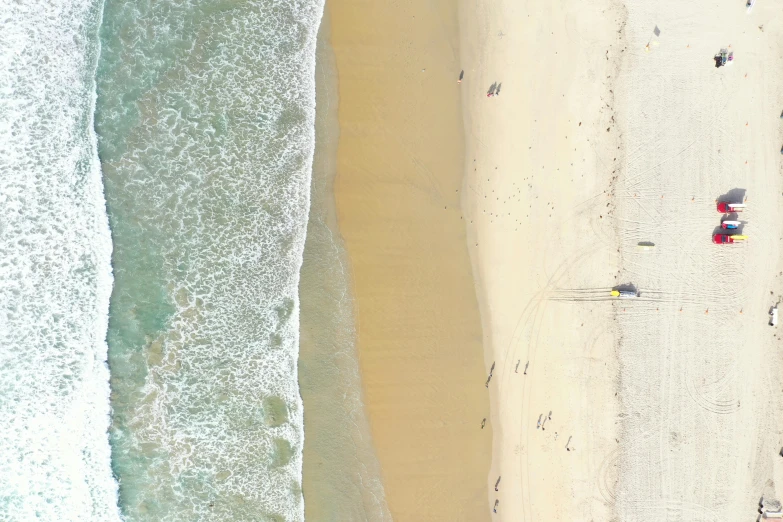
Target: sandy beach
(584, 150)
(539, 162)
(398, 195)
(341, 477)
(613, 128)
(701, 369)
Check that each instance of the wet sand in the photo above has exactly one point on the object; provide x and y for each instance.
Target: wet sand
(341, 478)
(398, 189)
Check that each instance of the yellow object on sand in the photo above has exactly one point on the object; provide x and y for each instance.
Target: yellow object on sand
(615, 293)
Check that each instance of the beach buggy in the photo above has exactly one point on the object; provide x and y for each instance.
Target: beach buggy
(724, 207)
(726, 239)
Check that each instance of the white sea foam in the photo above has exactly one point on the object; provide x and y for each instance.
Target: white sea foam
(55, 273)
(207, 138)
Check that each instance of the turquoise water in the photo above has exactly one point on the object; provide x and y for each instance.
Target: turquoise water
(205, 121)
(205, 132)
(55, 272)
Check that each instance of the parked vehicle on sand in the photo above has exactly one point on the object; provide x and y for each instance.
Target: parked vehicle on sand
(724, 207)
(726, 239)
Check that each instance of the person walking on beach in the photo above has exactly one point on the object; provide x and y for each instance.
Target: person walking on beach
(496, 484)
(491, 371)
(495, 508)
(491, 91)
(526, 365)
(483, 422)
(516, 370)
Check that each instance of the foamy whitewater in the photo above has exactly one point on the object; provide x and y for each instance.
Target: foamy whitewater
(205, 119)
(55, 272)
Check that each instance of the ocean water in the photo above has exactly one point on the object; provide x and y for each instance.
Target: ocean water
(55, 271)
(205, 119)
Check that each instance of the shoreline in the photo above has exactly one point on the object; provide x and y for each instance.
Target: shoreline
(552, 210)
(340, 475)
(397, 191)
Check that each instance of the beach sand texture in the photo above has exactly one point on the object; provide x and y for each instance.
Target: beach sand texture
(341, 478)
(606, 135)
(539, 167)
(399, 175)
(701, 369)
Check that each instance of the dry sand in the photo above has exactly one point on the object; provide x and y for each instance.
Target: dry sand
(399, 175)
(670, 401)
(539, 161)
(701, 378)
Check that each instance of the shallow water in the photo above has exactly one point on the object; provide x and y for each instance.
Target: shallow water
(205, 121)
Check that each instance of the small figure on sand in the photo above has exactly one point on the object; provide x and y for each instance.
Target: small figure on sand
(724, 57)
(461, 75)
(516, 370)
(497, 89)
(483, 422)
(542, 424)
(497, 483)
(555, 435)
(526, 365)
(568, 444)
(539, 421)
(491, 371)
(550, 415)
(491, 91)
(495, 508)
